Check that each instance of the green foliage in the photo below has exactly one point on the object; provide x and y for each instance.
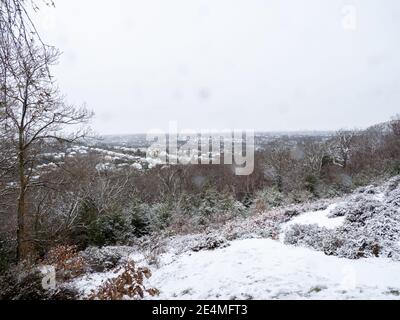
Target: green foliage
(80, 234)
(109, 230)
(270, 197)
(160, 214)
(327, 160)
(300, 196)
(209, 203)
(139, 219)
(7, 254)
(310, 183)
(395, 168)
(213, 203)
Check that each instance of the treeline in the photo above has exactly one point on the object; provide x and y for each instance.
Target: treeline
(76, 204)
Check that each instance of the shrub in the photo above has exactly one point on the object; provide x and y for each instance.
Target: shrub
(210, 203)
(127, 285)
(23, 282)
(103, 259)
(268, 198)
(300, 196)
(161, 214)
(371, 227)
(306, 235)
(7, 254)
(210, 243)
(310, 183)
(68, 263)
(139, 219)
(110, 230)
(394, 168)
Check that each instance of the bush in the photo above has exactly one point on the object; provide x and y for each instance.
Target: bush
(210, 243)
(394, 169)
(310, 184)
(7, 254)
(371, 227)
(306, 235)
(268, 198)
(23, 282)
(127, 285)
(139, 219)
(67, 262)
(300, 196)
(160, 215)
(104, 259)
(110, 230)
(210, 203)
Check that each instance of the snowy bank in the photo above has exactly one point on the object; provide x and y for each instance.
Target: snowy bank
(268, 269)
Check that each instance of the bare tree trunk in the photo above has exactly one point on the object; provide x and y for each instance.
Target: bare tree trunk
(25, 249)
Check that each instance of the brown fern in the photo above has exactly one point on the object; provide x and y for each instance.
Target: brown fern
(128, 284)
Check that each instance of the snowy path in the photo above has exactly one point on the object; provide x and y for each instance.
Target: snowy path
(267, 269)
(320, 218)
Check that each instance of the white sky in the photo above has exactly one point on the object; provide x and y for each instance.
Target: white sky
(269, 65)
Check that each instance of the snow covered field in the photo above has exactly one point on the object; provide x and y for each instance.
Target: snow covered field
(259, 263)
(268, 269)
(265, 269)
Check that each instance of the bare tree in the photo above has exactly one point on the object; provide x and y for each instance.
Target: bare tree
(279, 163)
(393, 139)
(314, 153)
(32, 109)
(395, 125)
(341, 147)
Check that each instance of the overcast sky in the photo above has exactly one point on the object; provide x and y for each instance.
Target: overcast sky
(270, 65)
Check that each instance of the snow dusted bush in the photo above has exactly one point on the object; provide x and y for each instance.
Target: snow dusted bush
(306, 235)
(110, 229)
(265, 225)
(360, 211)
(268, 198)
(212, 204)
(330, 242)
(211, 243)
(104, 259)
(371, 227)
(140, 220)
(300, 196)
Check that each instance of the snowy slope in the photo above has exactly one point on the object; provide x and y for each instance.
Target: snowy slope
(321, 218)
(255, 266)
(268, 269)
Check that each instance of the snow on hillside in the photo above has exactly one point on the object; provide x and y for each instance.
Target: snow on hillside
(370, 225)
(320, 218)
(268, 269)
(342, 250)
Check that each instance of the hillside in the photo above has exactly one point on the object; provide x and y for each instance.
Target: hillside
(345, 248)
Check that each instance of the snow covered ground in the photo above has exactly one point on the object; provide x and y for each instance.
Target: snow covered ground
(321, 218)
(264, 269)
(261, 265)
(268, 269)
